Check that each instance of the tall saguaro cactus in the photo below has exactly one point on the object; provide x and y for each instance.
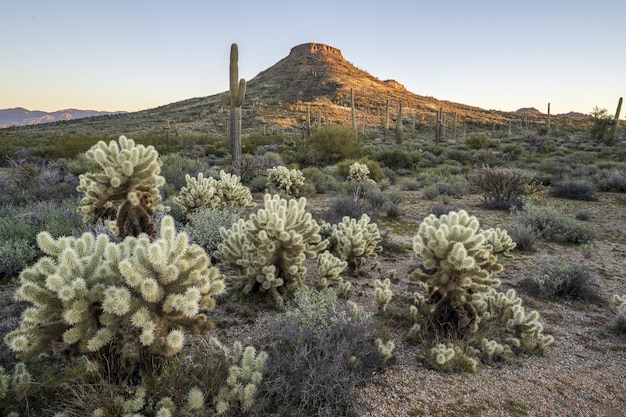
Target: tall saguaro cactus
(399, 125)
(615, 126)
(386, 126)
(353, 111)
(234, 99)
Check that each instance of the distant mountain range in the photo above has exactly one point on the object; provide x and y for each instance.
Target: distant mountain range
(19, 116)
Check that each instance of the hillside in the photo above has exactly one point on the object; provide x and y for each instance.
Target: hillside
(313, 75)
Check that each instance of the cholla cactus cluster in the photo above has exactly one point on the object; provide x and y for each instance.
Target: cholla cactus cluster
(358, 172)
(244, 375)
(89, 292)
(287, 180)
(355, 242)
(125, 189)
(208, 192)
(268, 250)
(17, 384)
(460, 302)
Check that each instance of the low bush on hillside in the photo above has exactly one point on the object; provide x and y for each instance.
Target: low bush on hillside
(550, 224)
(502, 188)
(20, 224)
(569, 281)
(574, 189)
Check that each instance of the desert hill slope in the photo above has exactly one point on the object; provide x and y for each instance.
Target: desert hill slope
(313, 78)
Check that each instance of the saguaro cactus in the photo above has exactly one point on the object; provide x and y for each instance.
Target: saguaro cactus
(234, 99)
(615, 126)
(352, 110)
(386, 123)
(399, 125)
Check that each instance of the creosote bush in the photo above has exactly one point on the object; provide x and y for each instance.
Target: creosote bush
(502, 188)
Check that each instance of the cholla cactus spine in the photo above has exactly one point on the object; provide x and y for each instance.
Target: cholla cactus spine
(358, 172)
(385, 348)
(330, 268)
(244, 376)
(128, 177)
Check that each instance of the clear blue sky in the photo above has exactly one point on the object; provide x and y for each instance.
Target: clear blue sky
(139, 54)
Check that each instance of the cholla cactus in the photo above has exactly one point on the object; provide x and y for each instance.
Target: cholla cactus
(330, 268)
(383, 294)
(460, 302)
(356, 241)
(447, 356)
(358, 172)
(281, 178)
(385, 348)
(125, 189)
(269, 249)
(208, 192)
(517, 330)
(244, 375)
(459, 261)
(89, 292)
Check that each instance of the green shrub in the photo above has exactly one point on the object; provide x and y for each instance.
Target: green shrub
(550, 224)
(477, 140)
(574, 189)
(394, 158)
(322, 181)
(376, 172)
(15, 255)
(204, 226)
(331, 144)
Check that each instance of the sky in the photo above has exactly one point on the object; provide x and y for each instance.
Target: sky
(138, 54)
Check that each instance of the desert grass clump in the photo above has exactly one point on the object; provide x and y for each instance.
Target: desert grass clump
(568, 281)
(321, 349)
(502, 188)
